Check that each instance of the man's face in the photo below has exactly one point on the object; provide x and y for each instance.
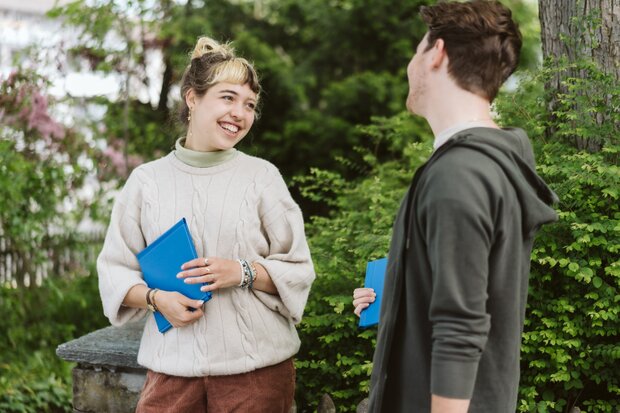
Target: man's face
(417, 76)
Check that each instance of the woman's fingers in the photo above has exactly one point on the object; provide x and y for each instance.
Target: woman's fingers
(179, 309)
(197, 262)
(196, 272)
(210, 287)
(187, 317)
(188, 302)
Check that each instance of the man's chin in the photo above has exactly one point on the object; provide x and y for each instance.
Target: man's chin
(411, 108)
(409, 105)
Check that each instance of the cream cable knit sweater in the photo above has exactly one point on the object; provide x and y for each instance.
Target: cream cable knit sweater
(238, 209)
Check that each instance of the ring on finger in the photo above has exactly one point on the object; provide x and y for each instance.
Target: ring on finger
(206, 261)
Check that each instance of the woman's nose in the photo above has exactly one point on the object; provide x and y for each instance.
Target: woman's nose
(236, 111)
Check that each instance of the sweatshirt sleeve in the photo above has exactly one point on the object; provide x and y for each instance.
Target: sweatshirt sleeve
(288, 261)
(456, 217)
(117, 265)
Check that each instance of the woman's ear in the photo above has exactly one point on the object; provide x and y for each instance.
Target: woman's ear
(190, 99)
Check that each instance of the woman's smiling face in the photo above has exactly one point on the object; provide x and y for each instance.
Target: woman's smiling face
(221, 117)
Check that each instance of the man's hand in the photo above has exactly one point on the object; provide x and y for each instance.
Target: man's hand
(445, 405)
(362, 298)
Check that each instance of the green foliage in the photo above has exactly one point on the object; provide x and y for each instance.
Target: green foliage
(570, 344)
(34, 322)
(588, 111)
(38, 383)
(325, 68)
(525, 13)
(329, 132)
(335, 356)
(42, 164)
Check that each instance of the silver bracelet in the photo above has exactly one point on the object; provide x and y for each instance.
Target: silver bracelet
(242, 273)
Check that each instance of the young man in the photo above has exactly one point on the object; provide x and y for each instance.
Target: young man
(456, 284)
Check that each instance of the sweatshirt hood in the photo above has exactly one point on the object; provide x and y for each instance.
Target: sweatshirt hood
(511, 150)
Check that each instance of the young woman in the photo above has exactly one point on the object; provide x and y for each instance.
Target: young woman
(234, 352)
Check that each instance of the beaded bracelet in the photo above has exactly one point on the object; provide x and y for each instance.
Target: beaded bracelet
(242, 273)
(248, 274)
(254, 274)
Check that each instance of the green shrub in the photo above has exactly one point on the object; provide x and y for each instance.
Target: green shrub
(570, 349)
(34, 322)
(570, 346)
(335, 355)
(39, 382)
(42, 165)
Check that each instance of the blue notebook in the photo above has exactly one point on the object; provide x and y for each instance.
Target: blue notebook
(161, 262)
(375, 275)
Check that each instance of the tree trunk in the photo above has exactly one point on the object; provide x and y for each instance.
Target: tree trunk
(575, 30)
(166, 83)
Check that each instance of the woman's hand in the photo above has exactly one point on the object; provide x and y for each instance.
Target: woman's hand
(177, 308)
(218, 272)
(362, 298)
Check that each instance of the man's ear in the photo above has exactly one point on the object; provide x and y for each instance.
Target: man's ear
(439, 54)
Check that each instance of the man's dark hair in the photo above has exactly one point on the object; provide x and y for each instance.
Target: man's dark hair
(481, 39)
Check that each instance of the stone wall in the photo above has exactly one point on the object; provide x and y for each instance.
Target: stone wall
(108, 378)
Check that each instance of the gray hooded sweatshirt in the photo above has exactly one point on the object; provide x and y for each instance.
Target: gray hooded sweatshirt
(456, 284)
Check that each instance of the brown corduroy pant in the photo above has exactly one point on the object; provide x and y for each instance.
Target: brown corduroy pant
(267, 390)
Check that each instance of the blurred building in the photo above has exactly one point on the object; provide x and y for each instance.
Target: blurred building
(24, 26)
(23, 23)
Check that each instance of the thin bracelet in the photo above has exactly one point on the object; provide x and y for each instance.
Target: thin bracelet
(149, 304)
(155, 291)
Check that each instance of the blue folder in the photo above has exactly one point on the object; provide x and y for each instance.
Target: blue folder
(375, 275)
(161, 262)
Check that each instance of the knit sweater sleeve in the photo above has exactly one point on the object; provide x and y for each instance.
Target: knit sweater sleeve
(117, 265)
(288, 261)
(455, 213)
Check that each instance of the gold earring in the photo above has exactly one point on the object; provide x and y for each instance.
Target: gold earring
(189, 125)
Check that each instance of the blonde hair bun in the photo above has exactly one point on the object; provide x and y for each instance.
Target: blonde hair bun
(208, 45)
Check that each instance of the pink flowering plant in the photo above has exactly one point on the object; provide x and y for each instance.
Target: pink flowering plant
(115, 162)
(25, 107)
(40, 169)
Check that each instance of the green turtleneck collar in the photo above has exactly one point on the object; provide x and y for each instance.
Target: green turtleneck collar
(202, 159)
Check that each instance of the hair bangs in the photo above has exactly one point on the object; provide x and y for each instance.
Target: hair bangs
(237, 71)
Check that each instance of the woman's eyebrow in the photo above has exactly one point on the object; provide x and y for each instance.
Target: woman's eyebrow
(235, 93)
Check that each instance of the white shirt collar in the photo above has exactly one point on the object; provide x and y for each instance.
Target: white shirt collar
(445, 135)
